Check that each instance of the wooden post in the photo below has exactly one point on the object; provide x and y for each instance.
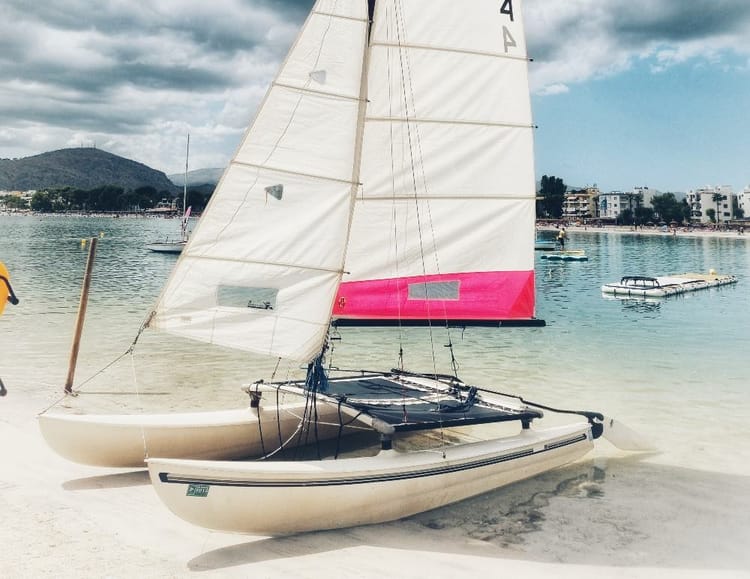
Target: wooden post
(80, 318)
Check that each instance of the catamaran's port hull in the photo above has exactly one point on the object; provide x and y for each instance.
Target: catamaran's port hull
(276, 498)
(125, 440)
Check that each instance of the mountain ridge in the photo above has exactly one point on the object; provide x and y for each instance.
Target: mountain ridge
(83, 168)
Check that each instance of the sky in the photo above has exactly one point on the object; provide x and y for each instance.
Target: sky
(625, 93)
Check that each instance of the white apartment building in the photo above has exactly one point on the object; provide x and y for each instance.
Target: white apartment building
(720, 199)
(612, 204)
(646, 196)
(743, 201)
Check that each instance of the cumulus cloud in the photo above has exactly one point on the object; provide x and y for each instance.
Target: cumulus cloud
(573, 41)
(135, 77)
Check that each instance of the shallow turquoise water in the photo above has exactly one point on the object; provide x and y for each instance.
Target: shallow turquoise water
(675, 368)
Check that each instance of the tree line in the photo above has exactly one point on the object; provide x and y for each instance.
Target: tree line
(107, 198)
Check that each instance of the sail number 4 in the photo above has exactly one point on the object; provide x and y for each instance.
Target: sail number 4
(197, 490)
(508, 40)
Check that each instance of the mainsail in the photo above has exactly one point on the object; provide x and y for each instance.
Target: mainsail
(447, 163)
(263, 265)
(398, 128)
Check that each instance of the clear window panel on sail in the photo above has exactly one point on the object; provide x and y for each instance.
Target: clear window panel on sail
(247, 297)
(435, 290)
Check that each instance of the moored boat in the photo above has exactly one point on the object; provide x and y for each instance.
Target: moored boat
(662, 286)
(167, 246)
(566, 255)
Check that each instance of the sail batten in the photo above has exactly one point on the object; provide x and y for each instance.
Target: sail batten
(285, 265)
(318, 92)
(291, 172)
(406, 119)
(410, 197)
(440, 48)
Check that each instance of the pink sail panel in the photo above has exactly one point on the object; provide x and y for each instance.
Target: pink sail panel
(493, 295)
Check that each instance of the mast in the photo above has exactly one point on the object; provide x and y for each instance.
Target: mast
(184, 191)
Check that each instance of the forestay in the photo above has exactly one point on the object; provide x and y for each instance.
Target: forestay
(447, 163)
(262, 267)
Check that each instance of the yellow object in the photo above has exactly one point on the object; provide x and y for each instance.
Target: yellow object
(4, 287)
(83, 243)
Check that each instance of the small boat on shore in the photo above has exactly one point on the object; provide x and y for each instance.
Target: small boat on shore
(644, 286)
(566, 255)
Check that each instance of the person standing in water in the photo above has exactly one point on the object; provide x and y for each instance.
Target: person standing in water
(561, 238)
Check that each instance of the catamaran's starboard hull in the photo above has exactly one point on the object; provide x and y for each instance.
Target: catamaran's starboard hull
(276, 498)
(117, 440)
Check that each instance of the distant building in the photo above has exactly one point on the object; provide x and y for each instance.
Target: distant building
(743, 201)
(581, 204)
(643, 196)
(611, 205)
(720, 199)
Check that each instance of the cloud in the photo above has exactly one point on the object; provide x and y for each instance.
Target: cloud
(135, 77)
(573, 41)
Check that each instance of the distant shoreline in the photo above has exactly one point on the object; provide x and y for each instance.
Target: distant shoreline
(662, 231)
(653, 230)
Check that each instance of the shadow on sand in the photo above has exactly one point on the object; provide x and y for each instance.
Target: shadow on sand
(612, 512)
(108, 481)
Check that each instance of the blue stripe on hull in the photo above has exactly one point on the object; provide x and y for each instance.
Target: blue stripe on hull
(166, 478)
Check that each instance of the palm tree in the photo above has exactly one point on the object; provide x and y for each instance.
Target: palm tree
(718, 198)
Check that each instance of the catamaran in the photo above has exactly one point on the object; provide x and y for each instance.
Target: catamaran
(387, 179)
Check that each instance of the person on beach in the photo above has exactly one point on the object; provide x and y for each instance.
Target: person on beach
(6, 291)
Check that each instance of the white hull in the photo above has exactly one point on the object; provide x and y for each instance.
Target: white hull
(660, 287)
(167, 246)
(566, 255)
(125, 440)
(272, 498)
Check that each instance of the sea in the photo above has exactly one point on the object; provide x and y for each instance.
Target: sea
(676, 370)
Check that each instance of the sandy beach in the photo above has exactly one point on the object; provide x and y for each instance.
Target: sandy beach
(680, 513)
(696, 232)
(66, 520)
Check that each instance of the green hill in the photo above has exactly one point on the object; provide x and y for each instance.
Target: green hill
(81, 168)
